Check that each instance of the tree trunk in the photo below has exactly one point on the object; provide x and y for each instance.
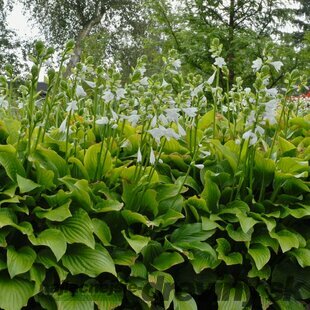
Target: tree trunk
(76, 57)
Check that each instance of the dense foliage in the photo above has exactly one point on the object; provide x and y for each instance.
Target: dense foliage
(167, 192)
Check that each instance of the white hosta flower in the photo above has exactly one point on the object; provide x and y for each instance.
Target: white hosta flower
(114, 115)
(247, 90)
(80, 92)
(220, 62)
(72, 106)
(139, 156)
(197, 90)
(181, 130)
(251, 118)
(257, 64)
(154, 121)
(162, 118)
(164, 84)
(260, 130)
(170, 133)
(277, 65)
(108, 96)
(102, 121)
(251, 136)
(114, 126)
(63, 125)
(133, 119)
(157, 133)
(199, 166)
(152, 157)
(172, 114)
(4, 103)
(272, 92)
(190, 112)
(90, 84)
(120, 93)
(211, 78)
(177, 63)
(142, 70)
(144, 81)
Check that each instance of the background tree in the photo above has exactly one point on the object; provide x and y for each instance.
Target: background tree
(62, 20)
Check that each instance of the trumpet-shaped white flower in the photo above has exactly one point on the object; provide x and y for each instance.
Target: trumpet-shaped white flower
(251, 136)
(102, 121)
(152, 157)
(108, 96)
(90, 84)
(63, 126)
(4, 103)
(172, 114)
(144, 81)
(211, 78)
(277, 65)
(177, 63)
(257, 64)
(220, 62)
(190, 112)
(72, 106)
(170, 133)
(134, 118)
(120, 93)
(139, 156)
(80, 92)
(163, 119)
(181, 130)
(157, 133)
(197, 90)
(199, 166)
(272, 92)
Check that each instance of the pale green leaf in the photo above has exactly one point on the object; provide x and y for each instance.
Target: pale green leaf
(26, 185)
(57, 215)
(302, 255)
(184, 301)
(260, 254)
(166, 260)
(137, 242)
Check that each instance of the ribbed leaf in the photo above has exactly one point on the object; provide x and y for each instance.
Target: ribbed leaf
(52, 238)
(78, 301)
(10, 162)
(260, 255)
(184, 301)
(223, 249)
(102, 231)
(57, 215)
(211, 193)
(78, 229)
(166, 260)
(286, 239)
(203, 260)
(20, 261)
(26, 185)
(14, 293)
(302, 256)
(137, 242)
(107, 300)
(92, 262)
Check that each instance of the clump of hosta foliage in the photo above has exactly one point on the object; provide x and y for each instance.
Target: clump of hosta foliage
(168, 192)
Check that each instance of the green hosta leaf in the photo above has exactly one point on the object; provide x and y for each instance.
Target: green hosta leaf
(77, 169)
(264, 239)
(286, 147)
(211, 193)
(223, 249)
(204, 259)
(57, 215)
(79, 192)
(50, 160)
(190, 233)
(108, 206)
(302, 256)
(37, 275)
(139, 270)
(184, 301)
(20, 261)
(108, 300)
(102, 231)
(26, 185)
(52, 238)
(231, 157)
(137, 242)
(238, 235)
(292, 165)
(286, 239)
(124, 257)
(246, 222)
(208, 224)
(134, 217)
(78, 229)
(14, 293)
(232, 298)
(140, 288)
(166, 260)
(260, 254)
(167, 219)
(263, 274)
(45, 177)
(46, 302)
(164, 283)
(47, 259)
(92, 262)
(298, 212)
(10, 162)
(264, 297)
(97, 161)
(290, 304)
(78, 301)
